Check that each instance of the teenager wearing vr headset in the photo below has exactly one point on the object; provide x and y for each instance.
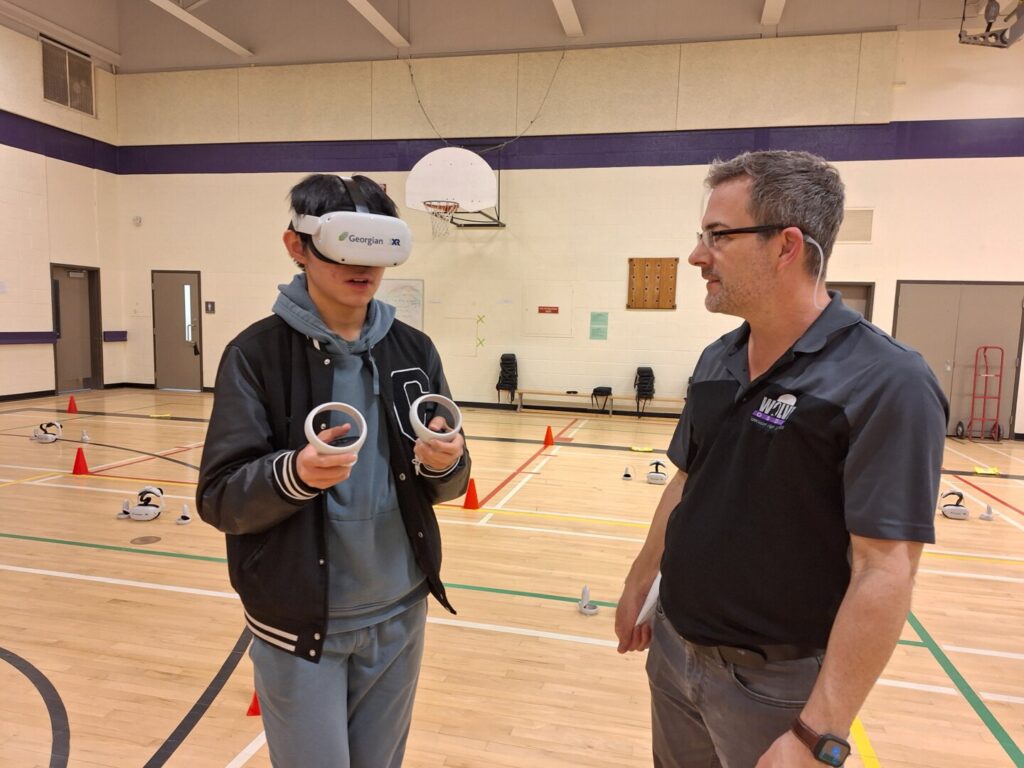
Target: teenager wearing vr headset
(333, 558)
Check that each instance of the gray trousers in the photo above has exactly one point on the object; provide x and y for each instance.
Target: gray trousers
(353, 709)
(708, 713)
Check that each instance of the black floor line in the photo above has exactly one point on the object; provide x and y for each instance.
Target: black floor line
(195, 714)
(61, 739)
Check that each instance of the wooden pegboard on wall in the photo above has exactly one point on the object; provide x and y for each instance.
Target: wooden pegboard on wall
(652, 284)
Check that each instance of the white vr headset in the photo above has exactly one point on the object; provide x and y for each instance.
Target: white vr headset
(357, 237)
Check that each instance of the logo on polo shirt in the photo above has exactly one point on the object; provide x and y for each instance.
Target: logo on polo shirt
(773, 412)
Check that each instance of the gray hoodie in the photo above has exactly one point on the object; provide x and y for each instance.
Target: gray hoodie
(373, 575)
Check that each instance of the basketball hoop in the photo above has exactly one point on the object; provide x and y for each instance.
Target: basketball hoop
(441, 213)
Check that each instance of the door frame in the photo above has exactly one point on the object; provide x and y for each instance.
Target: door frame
(199, 314)
(860, 284)
(92, 275)
(1016, 355)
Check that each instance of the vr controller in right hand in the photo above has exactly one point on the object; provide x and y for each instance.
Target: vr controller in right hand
(323, 470)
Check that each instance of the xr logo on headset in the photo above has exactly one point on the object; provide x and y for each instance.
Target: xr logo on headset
(396, 241)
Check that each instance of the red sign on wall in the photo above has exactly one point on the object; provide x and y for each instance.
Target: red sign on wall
(547, 310)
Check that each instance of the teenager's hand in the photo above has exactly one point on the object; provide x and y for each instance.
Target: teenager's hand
(322, 470)
(439, 455)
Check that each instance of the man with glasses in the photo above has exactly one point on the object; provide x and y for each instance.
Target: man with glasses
(808, 460)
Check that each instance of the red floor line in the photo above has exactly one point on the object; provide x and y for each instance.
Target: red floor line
(992, 495)
(517, 470)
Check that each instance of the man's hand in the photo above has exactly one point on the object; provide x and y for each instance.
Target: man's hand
(788, 751)
(632, 637)
(439, 455)
(323, 470)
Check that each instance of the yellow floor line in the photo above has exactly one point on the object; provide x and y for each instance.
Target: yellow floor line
(30, 479)
(865, 751)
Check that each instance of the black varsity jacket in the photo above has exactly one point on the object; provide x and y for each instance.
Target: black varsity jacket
(269, 378)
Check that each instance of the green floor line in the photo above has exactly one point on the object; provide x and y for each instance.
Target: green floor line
(915, 643)
(997, 730)
(113, 548)
(205, 558)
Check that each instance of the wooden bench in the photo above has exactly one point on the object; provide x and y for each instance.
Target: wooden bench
(609, 406)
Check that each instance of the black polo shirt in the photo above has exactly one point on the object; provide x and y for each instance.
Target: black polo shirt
(844, 434)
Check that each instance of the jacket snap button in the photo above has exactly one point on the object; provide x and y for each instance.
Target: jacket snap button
(321, 562)
(312, 653)
(316, 635)
(420, 534)
(327, 361)
(401, 475)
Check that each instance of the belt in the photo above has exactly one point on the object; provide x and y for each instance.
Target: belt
(758, 655)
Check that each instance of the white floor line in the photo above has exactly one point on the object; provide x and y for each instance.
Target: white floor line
(977, 576)
(505, 630)
(35, 469)
(974, 554)
(119, 582)
(572, 515)
(983, 652)
(254, 746)
(974, 460)
(245, 754)
(577, 429)
(1010, 456)
(42, 483)
(983, 503)
(485, 519)
(949, 691)
(552, 531)
(526, 478)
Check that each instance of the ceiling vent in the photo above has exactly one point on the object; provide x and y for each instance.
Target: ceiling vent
(67, 77)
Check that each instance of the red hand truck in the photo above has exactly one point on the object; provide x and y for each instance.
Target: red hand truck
(985, 394)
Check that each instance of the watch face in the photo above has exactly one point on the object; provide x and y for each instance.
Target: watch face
(832, 751)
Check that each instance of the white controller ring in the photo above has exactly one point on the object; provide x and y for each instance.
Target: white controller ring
(423, 432)
(320, 445)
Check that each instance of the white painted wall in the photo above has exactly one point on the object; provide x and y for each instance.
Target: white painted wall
(934, 219)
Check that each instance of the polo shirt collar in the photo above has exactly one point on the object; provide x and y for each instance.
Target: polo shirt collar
(835, 317)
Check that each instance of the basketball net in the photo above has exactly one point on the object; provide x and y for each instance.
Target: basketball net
(441, 213)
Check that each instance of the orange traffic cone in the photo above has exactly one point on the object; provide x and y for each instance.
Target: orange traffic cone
(254, 707)
(548, 439)
(471, 502)
(81, 468)
(72, 405)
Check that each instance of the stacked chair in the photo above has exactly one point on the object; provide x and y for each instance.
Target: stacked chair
(508, 378)
(644, 385)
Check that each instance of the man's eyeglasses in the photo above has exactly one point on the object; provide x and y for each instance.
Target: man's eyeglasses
(709, 236)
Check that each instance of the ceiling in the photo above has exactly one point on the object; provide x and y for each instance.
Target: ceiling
(164, 35)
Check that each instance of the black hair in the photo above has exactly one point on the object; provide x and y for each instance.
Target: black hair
(321, 193)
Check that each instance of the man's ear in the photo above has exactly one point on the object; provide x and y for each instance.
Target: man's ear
(792, 248)
(295, 247)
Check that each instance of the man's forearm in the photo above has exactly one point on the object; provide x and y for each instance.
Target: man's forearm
(863, 637)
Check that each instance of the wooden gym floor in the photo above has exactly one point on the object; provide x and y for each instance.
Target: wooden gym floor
(121, 642)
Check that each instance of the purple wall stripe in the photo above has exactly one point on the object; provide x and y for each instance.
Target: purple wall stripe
(28, 337)
(997, 137)
(115, 335)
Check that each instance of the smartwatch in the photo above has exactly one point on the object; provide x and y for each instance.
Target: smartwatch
(826, 747)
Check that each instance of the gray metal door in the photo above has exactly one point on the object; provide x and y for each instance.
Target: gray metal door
(72, 326)
(946, 323)
(177, 334)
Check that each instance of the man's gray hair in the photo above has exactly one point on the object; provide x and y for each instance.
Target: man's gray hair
(796, 189)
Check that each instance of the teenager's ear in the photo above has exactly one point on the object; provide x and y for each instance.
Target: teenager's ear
(295, 247)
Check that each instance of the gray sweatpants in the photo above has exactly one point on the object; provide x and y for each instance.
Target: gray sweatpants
(353, 709)
(708, 713)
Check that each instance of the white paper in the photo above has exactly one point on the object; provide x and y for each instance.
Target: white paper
(647, 610)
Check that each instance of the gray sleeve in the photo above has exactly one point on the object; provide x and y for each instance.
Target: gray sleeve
(893, 464)
(679, 446)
